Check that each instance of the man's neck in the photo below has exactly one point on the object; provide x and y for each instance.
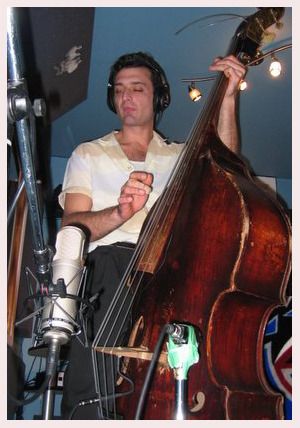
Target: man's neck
(134, 141)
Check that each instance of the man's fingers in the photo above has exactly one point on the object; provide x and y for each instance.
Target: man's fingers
(229, 65)
(145, 177)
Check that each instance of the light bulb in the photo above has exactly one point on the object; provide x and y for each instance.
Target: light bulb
(194, 93)
(243, 85)
(275, 67)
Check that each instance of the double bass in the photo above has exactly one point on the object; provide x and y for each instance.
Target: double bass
(215, 254)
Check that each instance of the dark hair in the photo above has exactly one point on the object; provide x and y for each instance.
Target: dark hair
(161, 98)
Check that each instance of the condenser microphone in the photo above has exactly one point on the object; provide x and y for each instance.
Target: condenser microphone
(59, 313)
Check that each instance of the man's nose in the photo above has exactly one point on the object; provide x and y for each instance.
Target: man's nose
(127, 94)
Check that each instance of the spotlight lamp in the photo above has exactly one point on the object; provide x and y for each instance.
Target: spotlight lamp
(243, 85)
(194, 93)
(275, 66)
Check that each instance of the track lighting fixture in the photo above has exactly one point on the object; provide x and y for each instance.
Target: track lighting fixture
(275, 66)
(194, 93)
(274, 69)
(243, 85)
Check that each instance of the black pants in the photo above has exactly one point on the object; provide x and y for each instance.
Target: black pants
(106, 266)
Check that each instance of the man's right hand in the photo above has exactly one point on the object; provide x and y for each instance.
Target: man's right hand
(134, 194)
(133, 197)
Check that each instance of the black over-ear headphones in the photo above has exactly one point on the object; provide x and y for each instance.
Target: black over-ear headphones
(162, 97)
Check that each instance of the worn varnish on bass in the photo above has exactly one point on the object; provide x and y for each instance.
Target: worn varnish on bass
(214, 253)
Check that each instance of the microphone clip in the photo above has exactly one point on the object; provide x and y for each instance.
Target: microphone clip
(182, 349)
(59, 289)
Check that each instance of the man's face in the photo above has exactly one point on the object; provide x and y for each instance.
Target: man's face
(133, 96)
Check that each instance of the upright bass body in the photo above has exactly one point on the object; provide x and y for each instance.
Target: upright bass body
(214, 253)
(223, 270)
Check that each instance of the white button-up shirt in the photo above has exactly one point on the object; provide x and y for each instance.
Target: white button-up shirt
(100, 168)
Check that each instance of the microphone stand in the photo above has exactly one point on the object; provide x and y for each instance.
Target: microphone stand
(49, 395)
(20, 112)
(182, 354)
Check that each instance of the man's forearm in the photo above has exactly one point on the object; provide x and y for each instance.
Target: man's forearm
(227, 124)
(99, 223)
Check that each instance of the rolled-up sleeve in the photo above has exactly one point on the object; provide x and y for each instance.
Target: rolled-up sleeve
(77, 178)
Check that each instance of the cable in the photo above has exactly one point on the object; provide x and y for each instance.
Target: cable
(98, 400)
(167, 329)
(230, 16)
(107, 397)
(41, 389)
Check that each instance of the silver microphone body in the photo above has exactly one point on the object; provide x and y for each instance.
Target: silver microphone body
(58, 316)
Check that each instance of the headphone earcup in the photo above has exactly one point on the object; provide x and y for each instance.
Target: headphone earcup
(162, 98)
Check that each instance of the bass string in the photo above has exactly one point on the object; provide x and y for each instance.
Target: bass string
(173, 188)
(159, 212)
(174, 184)
(117, 305)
